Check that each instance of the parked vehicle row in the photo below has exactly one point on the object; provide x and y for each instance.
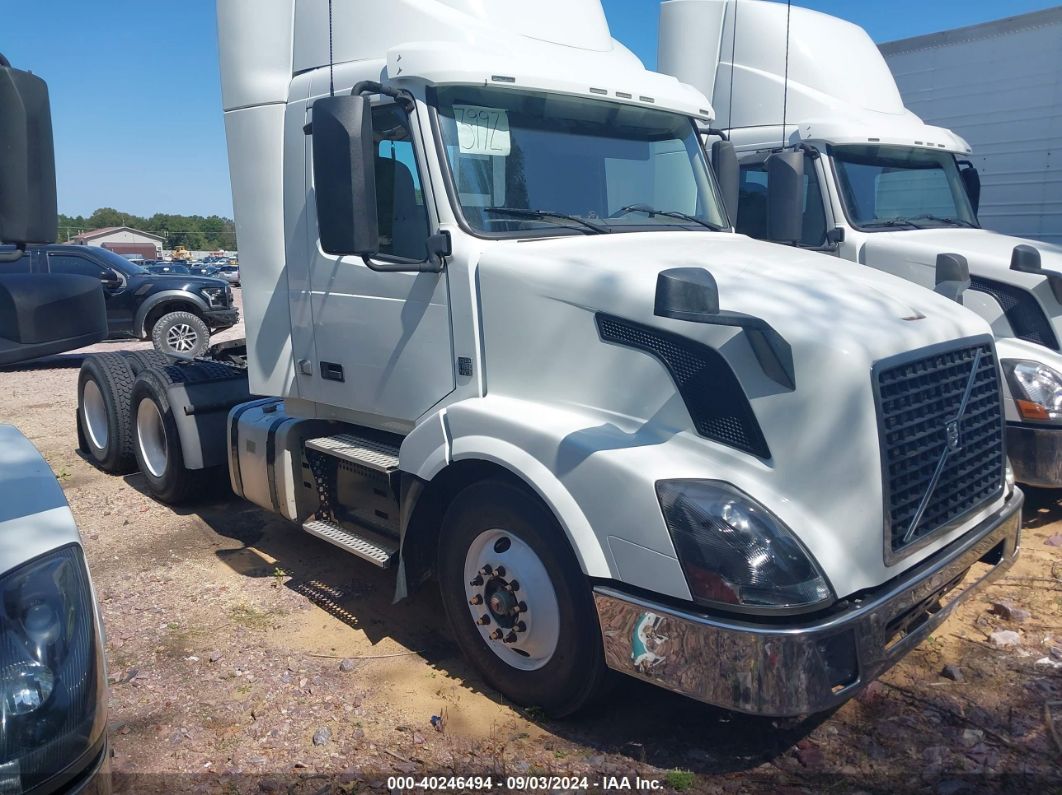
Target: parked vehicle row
(177, 311)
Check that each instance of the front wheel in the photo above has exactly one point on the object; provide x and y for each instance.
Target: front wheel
(520, 608)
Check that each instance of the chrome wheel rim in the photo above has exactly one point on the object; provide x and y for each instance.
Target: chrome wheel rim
(94, 415)
(181, 338)
(511, 600)
(151, 437)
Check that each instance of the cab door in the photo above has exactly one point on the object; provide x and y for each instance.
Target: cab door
(383, 342)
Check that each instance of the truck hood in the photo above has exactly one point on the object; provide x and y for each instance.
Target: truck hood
(804, 295)
(540, 301)
(915, 252)
(34, 515)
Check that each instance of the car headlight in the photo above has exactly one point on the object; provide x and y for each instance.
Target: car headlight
(737, 554)
(51, 670)
(216, 296)
(1037, 390)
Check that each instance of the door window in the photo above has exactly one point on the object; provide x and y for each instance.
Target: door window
(752, 204)
(400, 206)
(72, 263)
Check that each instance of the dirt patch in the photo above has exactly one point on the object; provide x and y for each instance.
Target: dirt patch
(228, 631)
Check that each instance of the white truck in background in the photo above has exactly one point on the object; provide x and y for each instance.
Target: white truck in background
(873, 184)
(503, 335)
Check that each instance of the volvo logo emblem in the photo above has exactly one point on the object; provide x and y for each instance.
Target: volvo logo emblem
(954, 436)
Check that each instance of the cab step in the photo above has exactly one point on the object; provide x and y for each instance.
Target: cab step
(376, 549)
(376, 456)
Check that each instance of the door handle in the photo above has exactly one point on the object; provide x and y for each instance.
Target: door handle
(330, 371)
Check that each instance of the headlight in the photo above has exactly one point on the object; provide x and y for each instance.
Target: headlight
(216, 296)
(736, 553)
(51, 670)
(1037, 390)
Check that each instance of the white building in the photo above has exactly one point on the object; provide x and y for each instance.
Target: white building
(999, 85)
(123, 240)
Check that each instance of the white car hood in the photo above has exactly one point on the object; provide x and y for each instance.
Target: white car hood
(34, 515)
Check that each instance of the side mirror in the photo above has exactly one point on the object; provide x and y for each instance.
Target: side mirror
(110, 278)
(725, 163)
(344, 163)
(28, 209)
(953, 276)
(785, 197)
(1026, 259)
(971, 181)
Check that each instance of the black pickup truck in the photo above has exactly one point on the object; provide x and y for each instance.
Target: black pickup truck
(176, 312)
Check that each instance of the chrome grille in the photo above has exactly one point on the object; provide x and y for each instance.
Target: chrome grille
(941, 424)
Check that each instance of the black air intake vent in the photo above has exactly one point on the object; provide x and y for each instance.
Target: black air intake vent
(1022, 310)
(717, 404)
(925, 426)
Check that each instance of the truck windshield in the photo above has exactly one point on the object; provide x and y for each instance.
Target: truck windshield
(527, 163)
(889, 187)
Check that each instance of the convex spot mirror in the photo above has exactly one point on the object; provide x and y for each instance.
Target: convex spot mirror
(28, 210)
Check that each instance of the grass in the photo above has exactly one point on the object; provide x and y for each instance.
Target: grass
(680, 780)
(250, 617)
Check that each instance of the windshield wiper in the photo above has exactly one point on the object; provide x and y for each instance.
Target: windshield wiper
(651, 211)
(913, 221)
(523, 212)
(938, 219)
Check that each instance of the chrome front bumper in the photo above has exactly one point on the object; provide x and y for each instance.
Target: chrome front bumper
(802, 667)
(1036, 455)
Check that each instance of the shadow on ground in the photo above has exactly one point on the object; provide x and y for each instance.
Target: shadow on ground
(1042, 507)
(670, 730)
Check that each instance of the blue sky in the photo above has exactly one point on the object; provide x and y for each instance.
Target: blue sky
(136, 96)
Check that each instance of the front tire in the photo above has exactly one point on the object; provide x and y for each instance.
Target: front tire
(181, 334)
(519, 606)
(103, 423)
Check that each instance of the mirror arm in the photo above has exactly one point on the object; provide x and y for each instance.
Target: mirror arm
(402, 97)
(439, 245)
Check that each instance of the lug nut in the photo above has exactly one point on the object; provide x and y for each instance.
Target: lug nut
(483, 620)
(476, 600)
(487, 570)
(513, 586)
(500, 571)
(496, 635)
(510, 638)
(521, 626)
(522, 607)
(476, 582)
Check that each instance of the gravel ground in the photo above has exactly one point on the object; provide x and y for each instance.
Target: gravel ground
(246, 656)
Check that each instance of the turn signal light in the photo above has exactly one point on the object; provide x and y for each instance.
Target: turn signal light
(1031, 411)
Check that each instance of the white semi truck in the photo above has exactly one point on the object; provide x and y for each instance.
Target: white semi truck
(876, 185)
(501, 333)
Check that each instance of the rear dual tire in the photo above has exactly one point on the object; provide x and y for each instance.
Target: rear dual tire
(156, 441)
(104, 429)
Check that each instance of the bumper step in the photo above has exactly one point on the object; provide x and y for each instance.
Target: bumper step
(369, 546)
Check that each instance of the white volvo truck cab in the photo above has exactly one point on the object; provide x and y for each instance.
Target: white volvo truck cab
(877, 187)
(502, 334)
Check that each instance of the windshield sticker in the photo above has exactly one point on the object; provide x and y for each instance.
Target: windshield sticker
(482, 131)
